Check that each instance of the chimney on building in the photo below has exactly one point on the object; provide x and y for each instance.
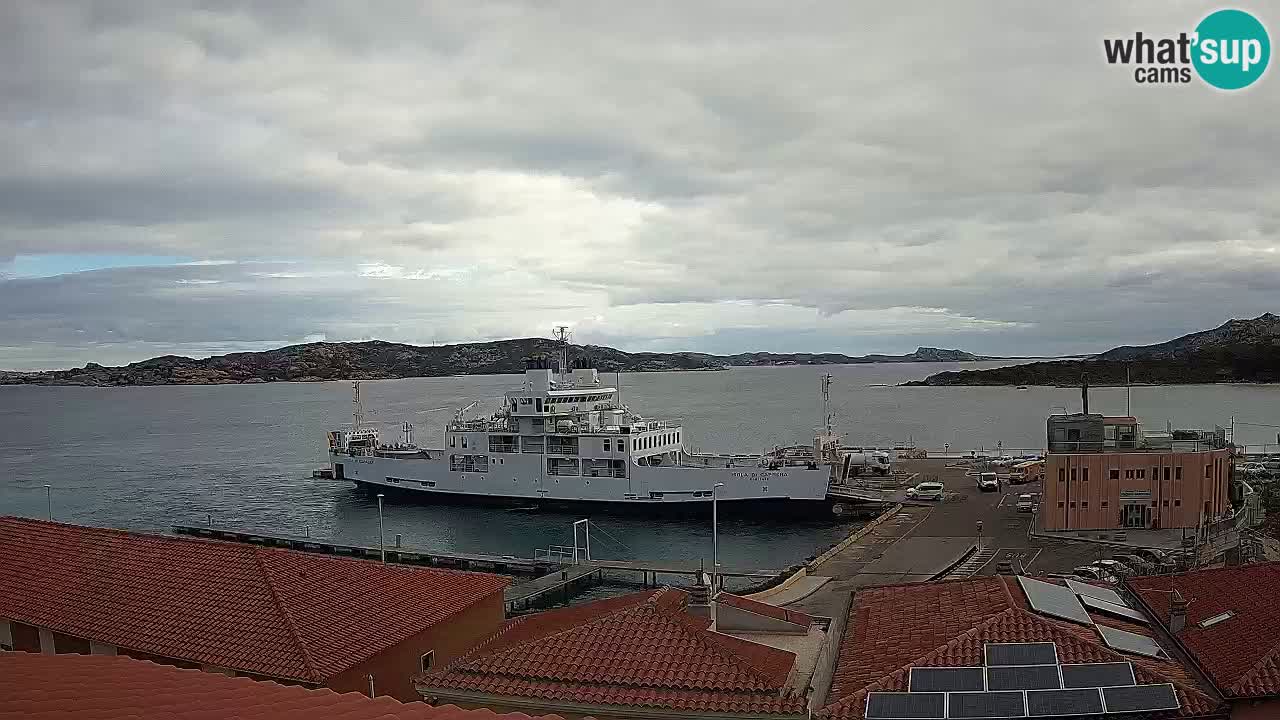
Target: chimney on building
(700, 598)
(1177, 613)
(1084, 392)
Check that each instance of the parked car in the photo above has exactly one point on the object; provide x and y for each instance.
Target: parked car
(1026, 502)
(1153, 556)
(1093, 572)
(1138, 564)
(988, 482)
(1253, 470)
(926, 491)
(1114, 567)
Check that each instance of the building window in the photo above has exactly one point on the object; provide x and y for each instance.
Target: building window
(1084, 474)
(1166, 503)
(1114, 474)
(1061, 504)
(1074, 473)
(1142, 473)
(1084, 504)
(453, 440)
(1177, 473)
(1073, 506)
(1128, 474)
(1208, 471)
(606, 444)
(1062, 474)
(426, 660)
(1177, 502)
(1166, 474)
(1104, 503)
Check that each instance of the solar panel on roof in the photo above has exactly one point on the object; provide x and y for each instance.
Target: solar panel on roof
(1094, 591)
(985, 705)
(1136, 698)
(906, 706)
(1023, 677)
(1111, 608)
(1043, 653)
(1125, 641)
(1064, 703)
(1054, 600)
(947, 679)
(1093, 675)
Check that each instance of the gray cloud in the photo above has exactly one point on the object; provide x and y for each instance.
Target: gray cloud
(728, 176)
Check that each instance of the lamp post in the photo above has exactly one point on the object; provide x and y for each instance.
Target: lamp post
(715, 538)
(48, 501)
(382, 548)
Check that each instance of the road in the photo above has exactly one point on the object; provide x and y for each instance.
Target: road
(920, 542)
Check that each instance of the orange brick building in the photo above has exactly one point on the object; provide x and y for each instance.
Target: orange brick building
(1104, 473)
(264, 613)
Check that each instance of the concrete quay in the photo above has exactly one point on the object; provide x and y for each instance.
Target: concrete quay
(921, 541)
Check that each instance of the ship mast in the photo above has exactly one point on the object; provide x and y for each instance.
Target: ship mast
(826, 402)
(357, 411)
(561, 335)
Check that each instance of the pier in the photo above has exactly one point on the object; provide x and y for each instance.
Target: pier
(552, 581)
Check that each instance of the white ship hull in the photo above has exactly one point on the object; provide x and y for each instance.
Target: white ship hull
(522, 478)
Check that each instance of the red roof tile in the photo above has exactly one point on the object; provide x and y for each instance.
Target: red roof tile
(96, 687)
(759, 608)
(1242, 654)
(642, 649)
(945, 624)
(274, 612)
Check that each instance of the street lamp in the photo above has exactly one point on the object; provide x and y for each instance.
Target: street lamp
(48, 501)
(382, 549)
(715, 538)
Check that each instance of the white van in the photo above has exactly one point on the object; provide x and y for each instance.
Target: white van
(988, 482)
(926, 491)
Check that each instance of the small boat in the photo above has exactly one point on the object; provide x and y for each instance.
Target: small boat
(1022, 387)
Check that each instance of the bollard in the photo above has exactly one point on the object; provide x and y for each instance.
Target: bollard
(397, 539)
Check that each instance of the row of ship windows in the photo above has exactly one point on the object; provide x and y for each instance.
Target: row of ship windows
(652, 441)
(641, 443)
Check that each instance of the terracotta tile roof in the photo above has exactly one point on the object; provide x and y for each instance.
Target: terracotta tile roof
(96, 687)
(1242, 654)
(759, 608)
(280, 613)
(642, 649)
(945, 624)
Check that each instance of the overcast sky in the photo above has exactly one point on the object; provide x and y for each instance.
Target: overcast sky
(844, 176)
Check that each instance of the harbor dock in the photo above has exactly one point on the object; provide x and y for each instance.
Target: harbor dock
(551, 581)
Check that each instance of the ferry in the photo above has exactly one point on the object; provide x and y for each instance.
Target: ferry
(562, 440)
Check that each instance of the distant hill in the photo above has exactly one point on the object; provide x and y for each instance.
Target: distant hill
(379, 360)
(1236, 351)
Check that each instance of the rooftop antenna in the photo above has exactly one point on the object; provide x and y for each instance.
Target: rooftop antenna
(826, 401)
(357, 411)
(408, 433)
(1084, 391)
(562, 335)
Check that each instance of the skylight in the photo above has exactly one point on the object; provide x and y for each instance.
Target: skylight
(1210, 622)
